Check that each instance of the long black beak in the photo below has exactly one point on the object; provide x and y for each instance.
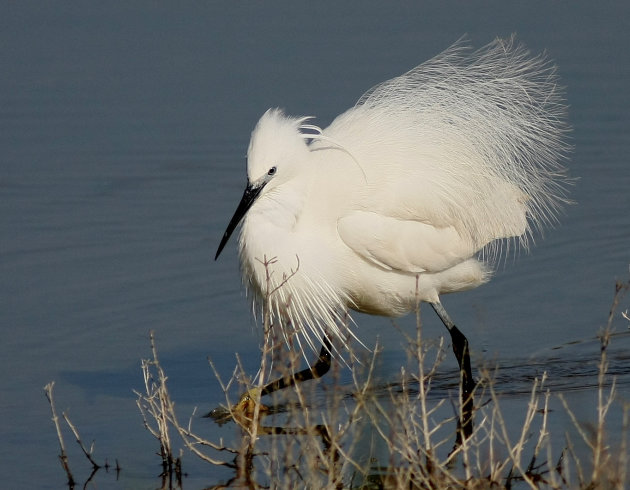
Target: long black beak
(249, 196)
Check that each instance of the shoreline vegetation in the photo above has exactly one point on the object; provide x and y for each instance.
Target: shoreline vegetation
(367, 435)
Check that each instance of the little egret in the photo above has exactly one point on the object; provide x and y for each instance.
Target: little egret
(412, 193)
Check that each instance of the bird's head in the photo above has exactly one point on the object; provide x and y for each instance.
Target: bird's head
(277, 151)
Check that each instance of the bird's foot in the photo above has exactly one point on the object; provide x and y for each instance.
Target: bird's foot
(244, 410)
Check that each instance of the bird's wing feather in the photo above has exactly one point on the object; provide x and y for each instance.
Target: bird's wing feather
(403, 245)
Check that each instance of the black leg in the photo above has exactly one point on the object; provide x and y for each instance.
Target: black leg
(317, 370)
(462, 354)
(246, 403)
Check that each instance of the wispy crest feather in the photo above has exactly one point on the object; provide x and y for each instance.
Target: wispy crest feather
(318, 135)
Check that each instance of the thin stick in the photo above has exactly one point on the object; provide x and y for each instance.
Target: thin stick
(88, 454)
(48, 390)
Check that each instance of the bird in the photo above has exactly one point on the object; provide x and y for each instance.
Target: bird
(415, 192)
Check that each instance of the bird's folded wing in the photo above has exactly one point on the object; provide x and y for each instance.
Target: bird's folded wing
(404, 245)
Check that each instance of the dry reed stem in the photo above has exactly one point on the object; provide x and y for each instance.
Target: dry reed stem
(305, 453)
(63, 457)
(86, 452)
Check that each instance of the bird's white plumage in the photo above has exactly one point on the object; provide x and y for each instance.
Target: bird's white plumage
(398, 199)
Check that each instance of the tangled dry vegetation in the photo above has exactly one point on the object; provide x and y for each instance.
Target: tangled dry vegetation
(369, 435)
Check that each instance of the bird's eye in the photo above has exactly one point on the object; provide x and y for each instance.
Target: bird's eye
(272, 171)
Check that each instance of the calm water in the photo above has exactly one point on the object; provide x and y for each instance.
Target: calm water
(122, 140)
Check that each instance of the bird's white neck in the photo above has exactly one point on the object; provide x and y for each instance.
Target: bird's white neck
(280, 208)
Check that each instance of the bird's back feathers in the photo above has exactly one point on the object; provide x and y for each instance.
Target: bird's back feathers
(473, 141)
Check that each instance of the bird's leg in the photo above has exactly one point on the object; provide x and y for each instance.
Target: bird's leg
(462, 354)
(317, 370)
(247, 401)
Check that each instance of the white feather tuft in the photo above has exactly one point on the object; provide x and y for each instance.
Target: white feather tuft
(479, 136)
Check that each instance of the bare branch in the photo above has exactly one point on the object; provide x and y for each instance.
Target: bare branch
(48, 390)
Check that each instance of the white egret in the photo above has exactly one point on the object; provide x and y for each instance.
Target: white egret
(412, 193)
